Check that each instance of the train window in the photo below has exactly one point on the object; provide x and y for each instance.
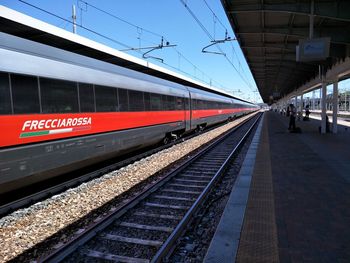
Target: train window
(58, 96)
(207, 104)
(136, 100)
(106, 99)
(171, 103)
(200, 104)
(179, 103)
(147, 99)
(187, 103)
(25, 94)
(211, 105)
(164, 102)
(203, 104)
(168, 102)
(123, 100)
(87, 97)
(5, 95)
(194, 104)
(156, 101)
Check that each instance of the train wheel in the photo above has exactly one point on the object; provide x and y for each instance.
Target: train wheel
(166, 140)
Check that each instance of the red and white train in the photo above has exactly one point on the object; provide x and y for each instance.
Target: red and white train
(60, 111)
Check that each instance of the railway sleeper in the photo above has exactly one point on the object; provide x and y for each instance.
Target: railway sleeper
(112, 257)
(163, 216)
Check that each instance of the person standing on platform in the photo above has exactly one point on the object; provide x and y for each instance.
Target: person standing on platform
(293, 113)
(307, 113)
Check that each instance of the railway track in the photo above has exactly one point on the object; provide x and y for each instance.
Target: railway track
(24, 199)
(146, 228)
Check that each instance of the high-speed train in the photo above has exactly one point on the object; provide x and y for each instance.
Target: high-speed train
(60, 111)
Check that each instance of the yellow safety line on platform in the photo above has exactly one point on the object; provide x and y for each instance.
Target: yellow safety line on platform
(259, 241)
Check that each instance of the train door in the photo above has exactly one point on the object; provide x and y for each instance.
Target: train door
(188, 112)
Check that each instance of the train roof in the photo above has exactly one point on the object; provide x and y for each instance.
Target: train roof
(21, 25)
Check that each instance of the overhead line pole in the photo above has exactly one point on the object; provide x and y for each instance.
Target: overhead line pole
(74, 17)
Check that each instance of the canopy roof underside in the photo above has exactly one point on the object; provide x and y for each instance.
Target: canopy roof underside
(268, 32)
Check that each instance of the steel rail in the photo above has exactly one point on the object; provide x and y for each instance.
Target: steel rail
(56, 189)
(167, 246)
(81, 238)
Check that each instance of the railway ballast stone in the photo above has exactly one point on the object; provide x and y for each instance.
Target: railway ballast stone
(27, 227)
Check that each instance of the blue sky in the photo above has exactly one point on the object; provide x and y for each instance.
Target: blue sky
(167, 18)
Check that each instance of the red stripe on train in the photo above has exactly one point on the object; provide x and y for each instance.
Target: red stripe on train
(13, 126)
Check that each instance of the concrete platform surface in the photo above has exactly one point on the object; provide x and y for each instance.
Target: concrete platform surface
(298, 208)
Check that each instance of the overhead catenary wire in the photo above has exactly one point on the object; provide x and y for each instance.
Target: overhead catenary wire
(212, 39)
(232, 64)
(142, 29)
(224, 27)
(139, 29)
(216, 17)
(121, 19)
(83, 27)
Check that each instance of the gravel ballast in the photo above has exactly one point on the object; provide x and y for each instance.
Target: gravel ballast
(25, 228)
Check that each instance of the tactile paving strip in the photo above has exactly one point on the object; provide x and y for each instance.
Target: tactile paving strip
(259, 242)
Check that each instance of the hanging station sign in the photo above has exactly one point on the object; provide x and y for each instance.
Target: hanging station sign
(316, 49)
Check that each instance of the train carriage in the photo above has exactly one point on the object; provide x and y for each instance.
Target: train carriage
(60, 111)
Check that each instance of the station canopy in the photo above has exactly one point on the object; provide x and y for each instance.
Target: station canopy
(268, 32)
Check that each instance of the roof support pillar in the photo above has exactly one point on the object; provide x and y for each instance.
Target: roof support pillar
(335, 107)
(323, 105)
(311, 28)
(301, 104)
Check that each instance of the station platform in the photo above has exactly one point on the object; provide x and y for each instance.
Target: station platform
(297, 202)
